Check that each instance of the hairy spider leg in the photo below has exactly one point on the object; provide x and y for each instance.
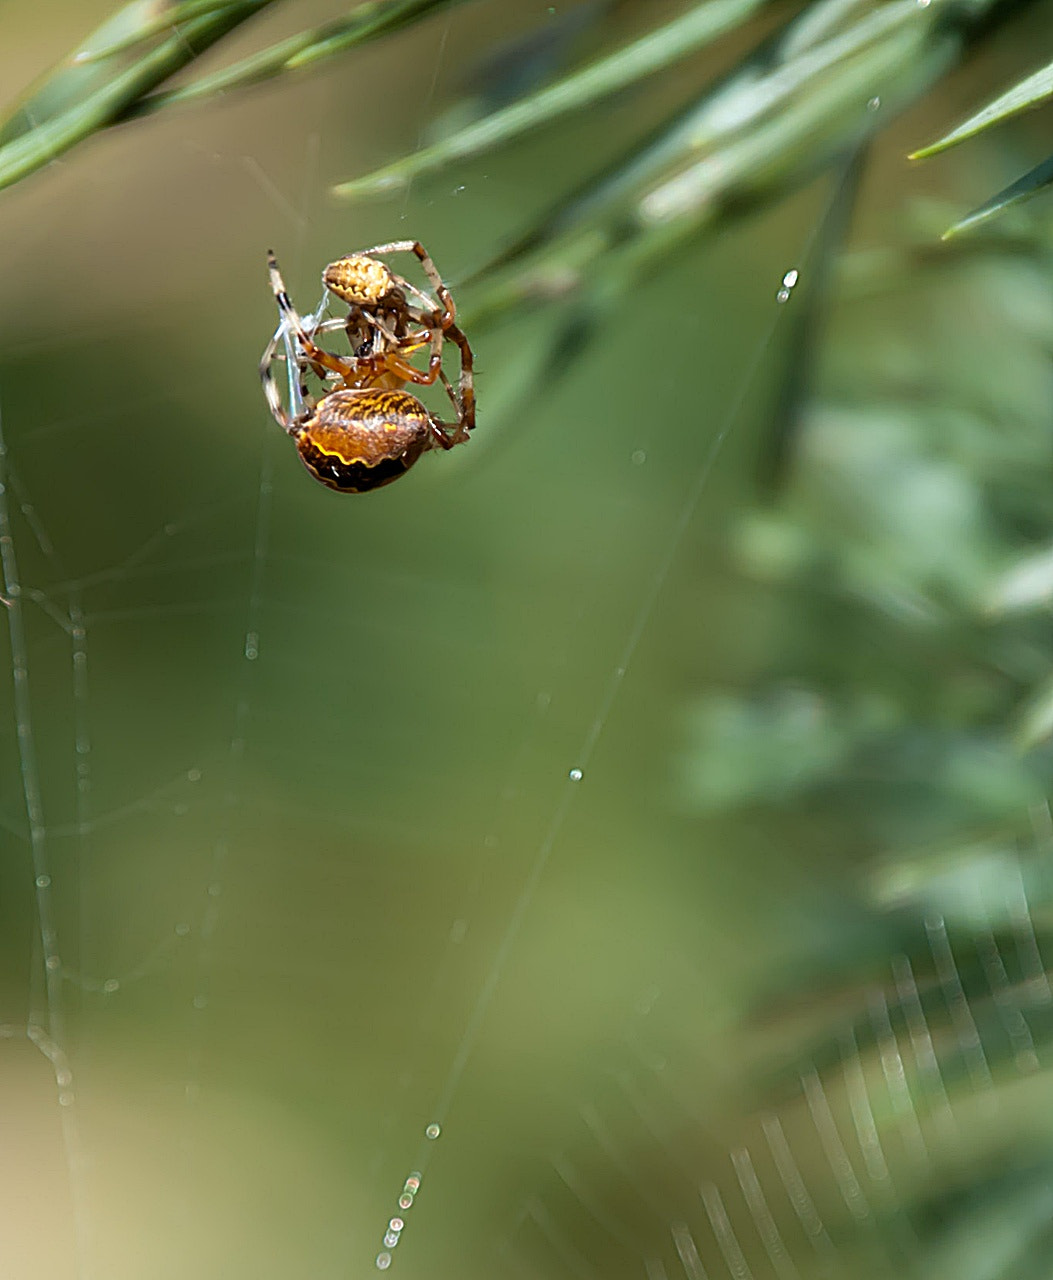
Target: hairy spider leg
(449, 311)
(465, 401)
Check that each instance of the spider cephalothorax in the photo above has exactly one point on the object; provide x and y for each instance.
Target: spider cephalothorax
(365, 430)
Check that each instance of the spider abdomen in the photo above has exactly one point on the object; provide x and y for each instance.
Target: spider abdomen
(362, 439)
(359, 279)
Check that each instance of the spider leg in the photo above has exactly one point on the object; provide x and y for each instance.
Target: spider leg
(388, 335)
(439, 437)
(270, 387)
(403, 369)
(291, 318)
(449, 311)
(464, 401)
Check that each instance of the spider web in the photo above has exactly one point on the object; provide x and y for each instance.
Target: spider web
(348, 923)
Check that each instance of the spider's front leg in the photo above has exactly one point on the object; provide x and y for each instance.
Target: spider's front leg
(314, 355)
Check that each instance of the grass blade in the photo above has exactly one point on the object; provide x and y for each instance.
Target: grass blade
(364, 23)
(607, 75)
(1034, 181)
(141, 21)
(772, 124)
(69, 107)
(1032, 92)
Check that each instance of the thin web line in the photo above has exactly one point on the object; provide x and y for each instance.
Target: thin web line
(51, 1038)
(429, 98)
(580, 764)
(595, 729)
(838, 204)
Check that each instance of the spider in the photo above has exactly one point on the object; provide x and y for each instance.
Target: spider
(368, 430)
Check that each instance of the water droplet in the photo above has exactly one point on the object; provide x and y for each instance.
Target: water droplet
(182, 929)
(383, 1261)
(200, 1002)
(63, 1078)
(791, 277)
(874, 103)
(391, 1239)
(432, 1131)
(252, 645)
(405, 1200)
(413, 1183)
(43, 882)
(193, 775)
(65, 1099)
(639, 458)
(575, 775)
(396, 1225)
(53, 963)
(111, 985)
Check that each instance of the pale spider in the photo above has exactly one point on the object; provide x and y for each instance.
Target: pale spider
(366, 430)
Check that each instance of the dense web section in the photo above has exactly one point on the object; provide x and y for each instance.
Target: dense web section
(328, 897)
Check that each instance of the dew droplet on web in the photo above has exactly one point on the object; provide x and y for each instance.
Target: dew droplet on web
(432, 1131)
(383, 1261)
(788, 281)
(575, 775)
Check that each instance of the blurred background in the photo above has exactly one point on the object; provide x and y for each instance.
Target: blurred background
(621, 848)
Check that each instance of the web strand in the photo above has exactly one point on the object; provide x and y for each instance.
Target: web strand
(49, 1036)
